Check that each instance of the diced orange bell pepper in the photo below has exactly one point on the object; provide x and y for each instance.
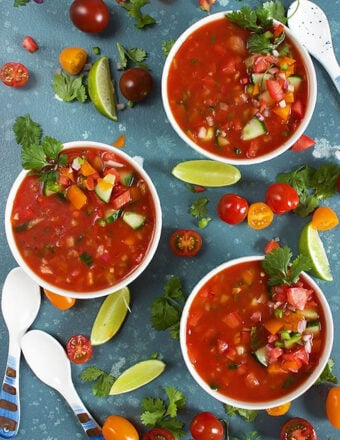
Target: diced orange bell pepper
(273, 325)
(87, 169)
(76, 196)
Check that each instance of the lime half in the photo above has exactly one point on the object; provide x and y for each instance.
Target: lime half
(111, 316)
(101, 89)
(310, 244)
(138, 375)
(206, 173)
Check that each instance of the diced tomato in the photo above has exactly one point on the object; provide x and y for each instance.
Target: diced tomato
(279, 294)
(278, 30)
(298, 297)
(233, 319)
(261, 63)
(297, 109)
(121, 200)
(274, 353)
(275, 89)
(29, 44)
(303, 143)
(206, 4)
(251, 380)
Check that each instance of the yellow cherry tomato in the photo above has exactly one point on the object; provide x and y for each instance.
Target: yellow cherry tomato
(324, 218)
(259, 215)
(279, 410)
(119, 428)
(59, 301)
(73, 59)
(333, 406)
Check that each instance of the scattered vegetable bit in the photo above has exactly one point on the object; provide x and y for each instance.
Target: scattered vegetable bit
(205, 5)
(136, 56)
(73, 59)
(134, 8)
(18, 3)
(166, 310)
(29, 44)
(69, 88)
(324, 218)
(272, 244)
(185, 242)
(120, 141)
(166, 46)
(79, 349)
(59, 301)
(303, 143)
(279, 410)
(199, 210)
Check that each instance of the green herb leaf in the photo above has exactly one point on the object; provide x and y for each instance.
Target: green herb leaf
(166, 46)
(199, 210)
(33, 158)
(51, 148)
(86, 258)
(327, 375)
(69, 88)
(247, 414)
(18, 3)
(134, 8)
(275, 10)
(27, 132)
(134, 55)
(102, 380)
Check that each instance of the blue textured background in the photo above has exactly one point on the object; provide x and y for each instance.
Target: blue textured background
(45, 415)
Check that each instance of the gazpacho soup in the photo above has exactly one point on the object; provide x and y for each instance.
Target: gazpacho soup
(250, 342)
(90, 228)
(233, 102)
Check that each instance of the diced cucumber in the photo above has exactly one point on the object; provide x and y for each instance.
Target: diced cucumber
(260, 78)
(295, 81)
(222, 141)
(112, 215)
(104, 187)
(294, 337)
(309, 314)
(261, 355)
(126, 177)
(51, 187)
(313, 327)
(133, 219)
(253, 129)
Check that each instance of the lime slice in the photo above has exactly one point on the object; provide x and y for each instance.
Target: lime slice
(138, 375)
(310, 244)
(110, 316)
(101, 89)
(206, 173)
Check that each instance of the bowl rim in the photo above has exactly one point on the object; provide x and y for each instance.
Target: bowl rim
(128, 279)
(305, 386)
(312, 95)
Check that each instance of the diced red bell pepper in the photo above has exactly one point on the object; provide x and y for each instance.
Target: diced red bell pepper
(272, 244)
(206, 4)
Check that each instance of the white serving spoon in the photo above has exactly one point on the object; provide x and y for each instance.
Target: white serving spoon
(20, 303)
(310, 25)
(49, 362)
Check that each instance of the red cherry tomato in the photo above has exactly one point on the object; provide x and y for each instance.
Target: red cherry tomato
(185, 242)
(79, 349)
(298, 428)
(14, 74)
(205, 426)
(119, 428)
(281, 198)
(136, 84)
(90, 15)
(232, 209)
(158, 434)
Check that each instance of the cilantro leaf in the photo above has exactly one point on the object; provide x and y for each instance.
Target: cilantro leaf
(33, 158)
(135, 55)
(176, 401)
(102, 380)
(199, 210)
(166, 46)
(26, 131)
(247, 414)
(275, 10)
(134, 8)
(245, 18)
(327, 374)
(68, 87)
(51, 148)
(18, 3)
(277, 264)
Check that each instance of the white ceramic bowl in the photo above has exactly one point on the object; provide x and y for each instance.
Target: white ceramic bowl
(288, 397)
(131, 276)
(311, 100)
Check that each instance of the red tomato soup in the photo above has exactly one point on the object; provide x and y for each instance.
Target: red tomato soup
(231, 102)
(240, 333)
(91, 228)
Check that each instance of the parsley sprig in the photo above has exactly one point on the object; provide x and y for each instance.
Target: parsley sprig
(69, 88)
(134, 8)
(163, 414)
(278, 266)
(166, 310)
(136, 56)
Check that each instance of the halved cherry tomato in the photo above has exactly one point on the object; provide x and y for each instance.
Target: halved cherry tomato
(158, 434)
(232, 208)
(59, 301)
(303, 143)
(298, 428)
(185, 242)
(324, 218)
(260, 215)
(333, 406)
(14, 74)
(90, 15)
(79, 349)
(281, 197)
(29, 44)
(279, 410)
(119, 428)
(205, 426)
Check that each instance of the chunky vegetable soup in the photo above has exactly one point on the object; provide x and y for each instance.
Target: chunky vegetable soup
(240, 332)
(90, 228)
(231, 102)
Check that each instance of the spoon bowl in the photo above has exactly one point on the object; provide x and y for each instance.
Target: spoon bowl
(20, 303)
(48, 360)
(311, 27)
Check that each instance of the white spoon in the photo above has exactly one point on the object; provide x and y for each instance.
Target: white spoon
(20, 304)
(310, 25)
(49, 362)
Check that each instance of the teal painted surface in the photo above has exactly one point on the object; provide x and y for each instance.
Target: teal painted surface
(45, 415)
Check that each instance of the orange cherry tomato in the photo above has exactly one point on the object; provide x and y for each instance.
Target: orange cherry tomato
(324, 218)
(119, 428)
(279, 410)
(59, 301)
(333, 406)
(260, 215)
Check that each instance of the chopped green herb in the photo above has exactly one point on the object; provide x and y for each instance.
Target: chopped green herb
(161, 414)
(134, 55)
(134, 8)
(199, 210)
(247, 414)
(166, 310)
(102, 380)
(96, 50)
(69, 88)
(278, 266)
(86, 258)
(166, 46)
(18, 3)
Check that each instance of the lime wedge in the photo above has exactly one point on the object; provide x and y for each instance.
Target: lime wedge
(138, 375)
(310, 244)
(110, 316)
(101, 88)
(206, 173)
